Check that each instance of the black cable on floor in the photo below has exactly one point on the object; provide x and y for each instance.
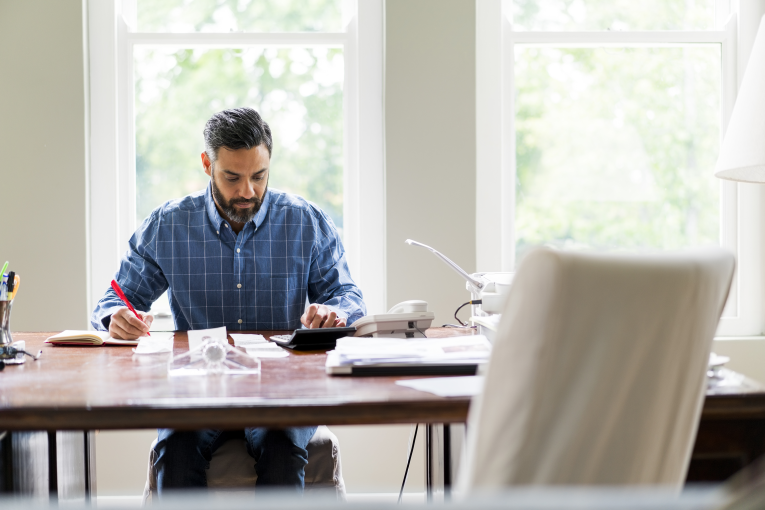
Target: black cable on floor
(406, 473)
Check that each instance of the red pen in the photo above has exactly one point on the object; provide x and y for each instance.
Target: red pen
(118, 290)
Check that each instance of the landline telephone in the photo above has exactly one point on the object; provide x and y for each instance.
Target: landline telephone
(408, 319)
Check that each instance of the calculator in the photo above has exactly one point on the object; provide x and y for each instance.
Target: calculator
(319, 339)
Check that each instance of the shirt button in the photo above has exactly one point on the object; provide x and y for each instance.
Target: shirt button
(225, 225)
(217, 232)
(239, 321)
(237, 250)
(238, 285)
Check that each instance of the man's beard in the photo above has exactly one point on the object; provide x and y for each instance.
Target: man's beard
(234, 213)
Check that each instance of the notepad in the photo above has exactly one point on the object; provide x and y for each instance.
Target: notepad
(94, 338)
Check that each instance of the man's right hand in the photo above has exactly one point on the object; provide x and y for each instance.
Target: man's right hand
(126, 326)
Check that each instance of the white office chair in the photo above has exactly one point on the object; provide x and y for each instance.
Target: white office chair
(597, 375)
(233, 470)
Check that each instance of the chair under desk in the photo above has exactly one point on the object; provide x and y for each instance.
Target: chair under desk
(102, 388)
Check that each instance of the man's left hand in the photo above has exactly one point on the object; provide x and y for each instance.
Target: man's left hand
(320, 316)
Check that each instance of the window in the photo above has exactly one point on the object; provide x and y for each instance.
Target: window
(297, 88)
(610, 121)
(313, 69)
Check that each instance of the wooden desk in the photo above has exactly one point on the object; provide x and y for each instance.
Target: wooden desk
(89, 388)
(731, 431)
(98, 388)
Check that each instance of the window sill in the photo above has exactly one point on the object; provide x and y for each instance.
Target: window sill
(759, 338)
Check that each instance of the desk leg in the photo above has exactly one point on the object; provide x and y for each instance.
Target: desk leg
(52, 466)
(447, 459)
(441, 455)
(91, 489)
(7, 462)
(429, 463)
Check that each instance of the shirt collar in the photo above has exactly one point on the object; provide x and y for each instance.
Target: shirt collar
(217, 220)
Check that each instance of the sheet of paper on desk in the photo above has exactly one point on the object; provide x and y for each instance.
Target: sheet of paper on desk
(196, 335)
(265, 350)
(159, 341)
(461, 386)
(243, 340)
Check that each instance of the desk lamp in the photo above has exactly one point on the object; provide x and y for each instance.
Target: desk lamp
(742, 157)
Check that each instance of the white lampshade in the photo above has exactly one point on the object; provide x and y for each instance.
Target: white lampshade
(742, 157)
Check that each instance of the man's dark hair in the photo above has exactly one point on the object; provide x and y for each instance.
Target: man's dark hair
(237, 128)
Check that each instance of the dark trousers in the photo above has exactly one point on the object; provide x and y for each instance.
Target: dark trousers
(280, 456)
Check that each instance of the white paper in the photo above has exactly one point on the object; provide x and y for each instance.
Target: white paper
(159, 341)
(266, 350)
(243, 340)
(458, 386)
(359, 351)
(196, 335)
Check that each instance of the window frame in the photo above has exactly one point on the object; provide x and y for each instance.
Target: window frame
(112, 193)
(495, 135)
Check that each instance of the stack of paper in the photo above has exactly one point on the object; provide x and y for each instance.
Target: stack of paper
(394, 356)
(258, 346)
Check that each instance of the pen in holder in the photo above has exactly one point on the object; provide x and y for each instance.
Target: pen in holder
(5, 323)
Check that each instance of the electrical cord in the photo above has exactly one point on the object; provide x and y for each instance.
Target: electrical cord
(409, 461)
(473, 302)
(8, 352)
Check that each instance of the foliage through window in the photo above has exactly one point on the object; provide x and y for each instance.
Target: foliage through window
(615, 143)
(297, 90)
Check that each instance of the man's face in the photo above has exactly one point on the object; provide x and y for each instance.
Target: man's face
(239, 181)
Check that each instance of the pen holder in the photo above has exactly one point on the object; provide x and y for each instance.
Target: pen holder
(5, 323)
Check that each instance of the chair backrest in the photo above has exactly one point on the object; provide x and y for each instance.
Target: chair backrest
(598, 372)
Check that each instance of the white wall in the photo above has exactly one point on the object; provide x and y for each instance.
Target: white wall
(430, 149)
(43, 171)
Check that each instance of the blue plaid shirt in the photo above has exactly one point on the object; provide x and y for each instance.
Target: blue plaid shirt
(256, 280)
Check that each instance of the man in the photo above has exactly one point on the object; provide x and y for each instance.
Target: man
(242, 256)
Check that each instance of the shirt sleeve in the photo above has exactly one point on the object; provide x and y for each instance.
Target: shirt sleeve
(329, 280)
(139, 275)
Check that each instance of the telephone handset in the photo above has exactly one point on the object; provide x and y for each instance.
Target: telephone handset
(408, 319)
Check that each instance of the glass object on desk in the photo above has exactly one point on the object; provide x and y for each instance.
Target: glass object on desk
(214, 356)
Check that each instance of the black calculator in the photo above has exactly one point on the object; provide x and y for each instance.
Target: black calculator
(319, 339)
